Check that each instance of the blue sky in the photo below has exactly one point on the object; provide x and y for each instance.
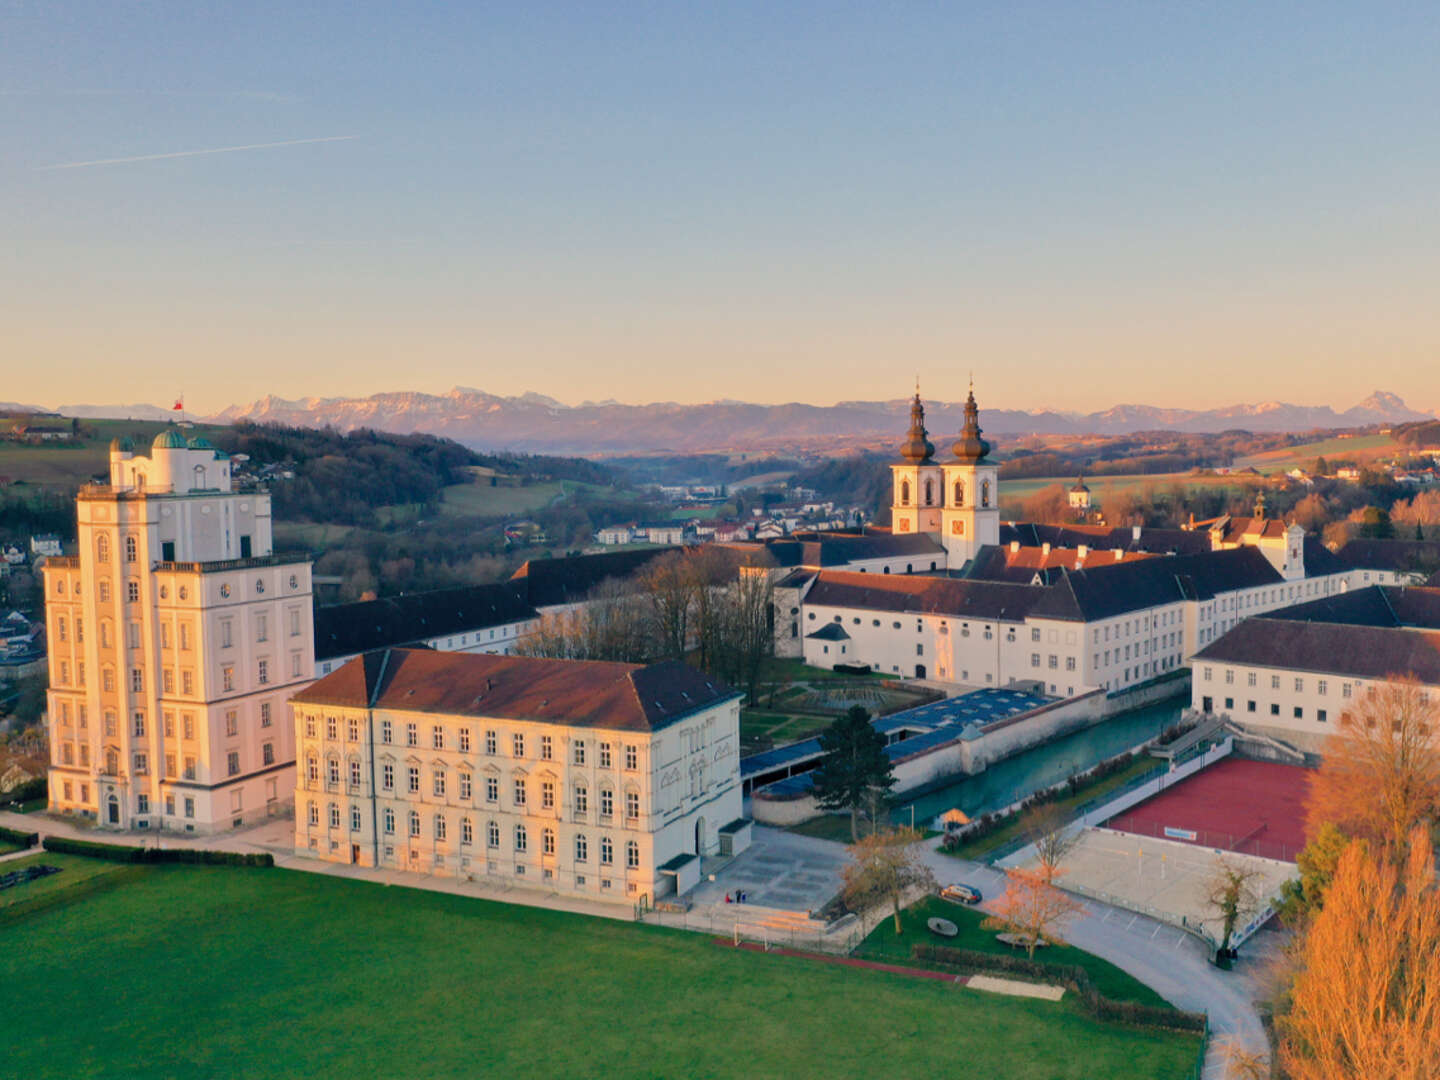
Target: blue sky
(1177, 204)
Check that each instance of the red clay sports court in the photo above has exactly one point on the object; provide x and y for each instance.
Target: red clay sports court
(1253, 807)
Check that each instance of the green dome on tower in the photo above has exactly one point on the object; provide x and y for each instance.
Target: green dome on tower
(169, 439)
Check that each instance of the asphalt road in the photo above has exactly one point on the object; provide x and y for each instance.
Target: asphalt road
(1172, 963)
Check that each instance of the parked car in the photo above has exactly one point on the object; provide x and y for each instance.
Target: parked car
(961, 894)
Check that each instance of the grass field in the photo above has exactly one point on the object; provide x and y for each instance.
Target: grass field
(1101, 486)
(73, 870)
(882, 944)
(780, 727)
(1304, 456)
(69, 464)
(481, 500)
(274, 973)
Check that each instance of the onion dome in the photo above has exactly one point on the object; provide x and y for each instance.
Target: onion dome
(122, 446)
(970, 447)
(1080, 488)
(917, 448)
(169, 439)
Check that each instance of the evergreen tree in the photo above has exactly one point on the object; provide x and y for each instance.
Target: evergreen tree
(854, 769)
(1322, 467)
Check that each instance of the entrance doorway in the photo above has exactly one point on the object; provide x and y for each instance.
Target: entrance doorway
(354, 854)
(919, 671)
(700, 836)
(114, 814)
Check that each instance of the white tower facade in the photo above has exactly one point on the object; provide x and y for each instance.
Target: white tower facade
(175, 639)
(971, 516)
(917, 480)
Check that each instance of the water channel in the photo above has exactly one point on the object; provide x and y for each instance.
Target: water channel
(1016, 777)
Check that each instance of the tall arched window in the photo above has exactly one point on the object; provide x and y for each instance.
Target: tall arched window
(102, 548)
(112, 761)
(199, 476)
(959, 492)
(904, 494)
(132, 550)
(985, 493)
(929, 493)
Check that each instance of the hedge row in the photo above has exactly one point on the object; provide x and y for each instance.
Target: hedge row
(15, 836)
(122, 853)
(30, 789)
(1073, 978)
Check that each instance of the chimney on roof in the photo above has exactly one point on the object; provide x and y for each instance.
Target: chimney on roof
(1081, 552)
(1014, 547)
(1045, 548)
(1119, 554)
(1135, 533)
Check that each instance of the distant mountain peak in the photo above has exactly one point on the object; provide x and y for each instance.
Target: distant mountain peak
(537, 422)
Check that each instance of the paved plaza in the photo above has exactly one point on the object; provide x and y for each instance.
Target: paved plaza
(1163, 878)
(779, 870)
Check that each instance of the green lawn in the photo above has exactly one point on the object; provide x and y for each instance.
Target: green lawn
(261, 973)
(829, 827)
(482, 500)
(882, 944)
(781, 727)
(73, 870)
(978, 849)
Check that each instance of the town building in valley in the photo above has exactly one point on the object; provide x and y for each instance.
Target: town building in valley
(175, 637)
(587, 778)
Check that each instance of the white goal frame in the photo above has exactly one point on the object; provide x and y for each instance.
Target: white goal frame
(759, 933)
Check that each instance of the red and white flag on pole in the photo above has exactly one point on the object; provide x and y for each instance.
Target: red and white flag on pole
(179, 405)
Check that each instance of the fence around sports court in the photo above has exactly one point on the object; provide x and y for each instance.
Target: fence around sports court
(1146, 786)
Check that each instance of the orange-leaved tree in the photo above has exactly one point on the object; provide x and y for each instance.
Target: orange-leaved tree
(1365, 1003)
(1381, 771)
(1032, 908)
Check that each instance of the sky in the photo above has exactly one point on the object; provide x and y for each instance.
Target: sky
(1177, 204)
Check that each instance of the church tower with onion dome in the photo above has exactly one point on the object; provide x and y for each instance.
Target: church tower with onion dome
(917, 497)
(972, 493)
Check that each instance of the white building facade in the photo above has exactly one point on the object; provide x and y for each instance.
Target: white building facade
(602, 780)
(175, 637)
(1293, 673)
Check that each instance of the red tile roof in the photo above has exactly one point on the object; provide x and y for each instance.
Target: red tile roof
(575, 693)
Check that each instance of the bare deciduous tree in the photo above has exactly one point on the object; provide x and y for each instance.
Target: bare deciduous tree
(1230, 894)
(886, 866)
(1048, 828)
(1381, 772)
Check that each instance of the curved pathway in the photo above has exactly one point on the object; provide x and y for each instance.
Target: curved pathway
(1173, 964)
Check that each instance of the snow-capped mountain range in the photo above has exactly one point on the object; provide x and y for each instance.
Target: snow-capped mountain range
(536, 423)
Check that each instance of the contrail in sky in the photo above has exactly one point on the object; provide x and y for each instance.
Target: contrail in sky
(193, 153)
